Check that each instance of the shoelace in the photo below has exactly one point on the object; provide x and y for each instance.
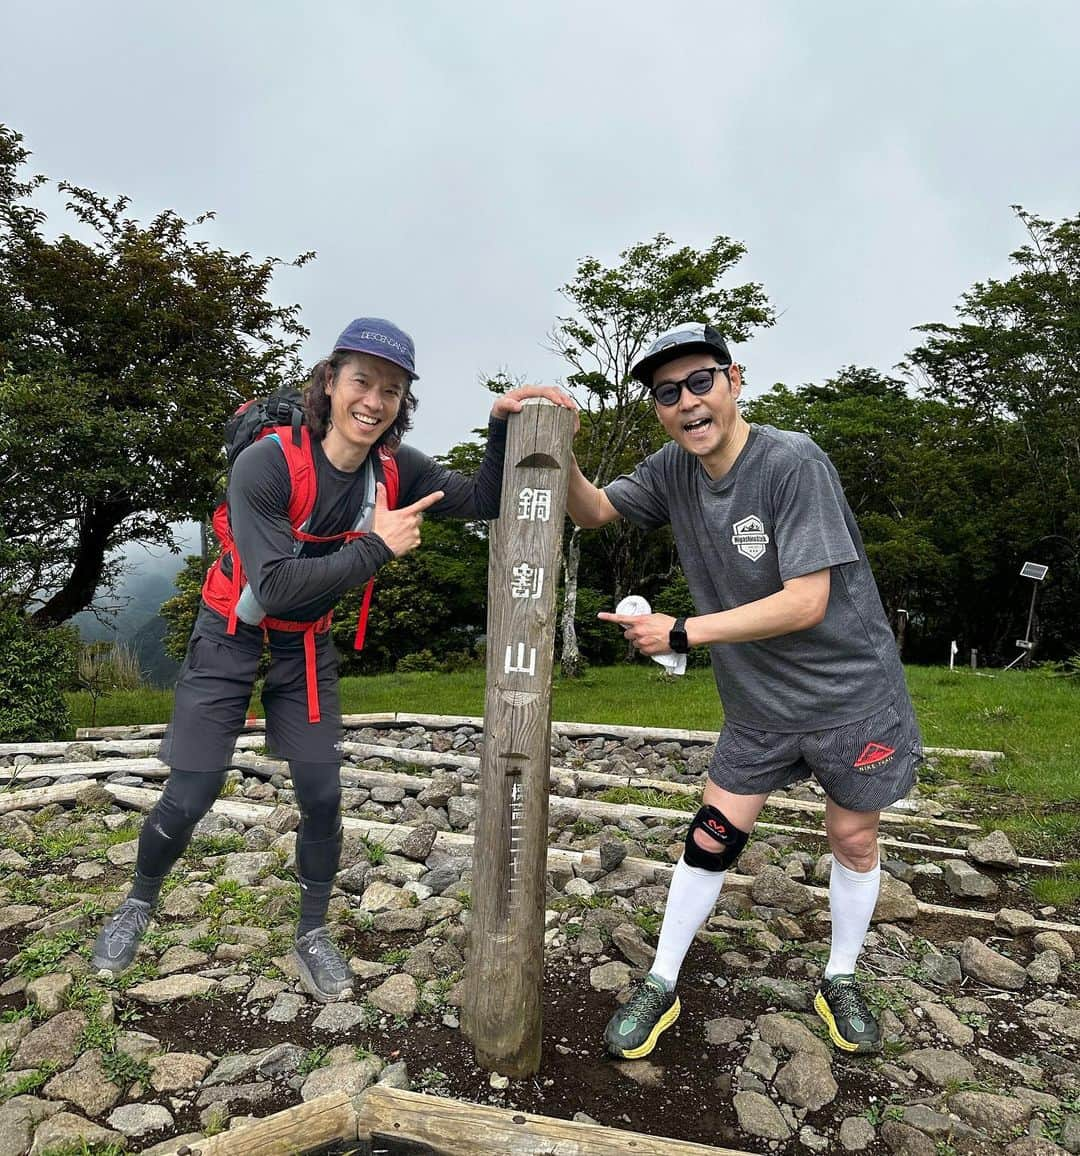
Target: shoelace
(128, 914)
(846, 998)
(645, 1000)
(324, 949)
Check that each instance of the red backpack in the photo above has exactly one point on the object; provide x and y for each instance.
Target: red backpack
(281, 417)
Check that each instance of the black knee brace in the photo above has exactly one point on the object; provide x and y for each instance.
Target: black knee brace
(720, 828)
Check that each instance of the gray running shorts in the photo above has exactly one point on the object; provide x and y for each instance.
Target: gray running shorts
(213, 691)
(862, 766)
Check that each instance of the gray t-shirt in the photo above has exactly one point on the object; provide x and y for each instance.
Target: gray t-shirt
(777, 514)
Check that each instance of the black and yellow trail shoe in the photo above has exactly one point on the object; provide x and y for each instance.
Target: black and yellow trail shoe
(633, 1030)
(851, 1024)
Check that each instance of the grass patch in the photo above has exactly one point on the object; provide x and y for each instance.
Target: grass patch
(30, 1083)
(42, 955)
(650, 798)
(1060, 888)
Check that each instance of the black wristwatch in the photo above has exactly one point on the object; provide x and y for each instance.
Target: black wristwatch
(677, 639)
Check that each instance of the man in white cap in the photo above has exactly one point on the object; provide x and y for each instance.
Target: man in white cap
(804, 660)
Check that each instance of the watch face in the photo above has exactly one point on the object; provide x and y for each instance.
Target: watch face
(678, 641)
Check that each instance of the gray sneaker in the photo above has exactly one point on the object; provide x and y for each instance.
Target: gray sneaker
(324, 972)
(119, 938)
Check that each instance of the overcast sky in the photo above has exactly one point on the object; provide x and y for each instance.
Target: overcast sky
(451, 162)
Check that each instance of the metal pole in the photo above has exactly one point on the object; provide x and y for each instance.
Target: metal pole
(1031, 611)
(501, 1010)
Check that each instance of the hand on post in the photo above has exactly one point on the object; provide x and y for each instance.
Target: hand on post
(647, 633)
(400, 529)
(511, 401)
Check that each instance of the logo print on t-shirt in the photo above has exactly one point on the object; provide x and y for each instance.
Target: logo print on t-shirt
(874, 753)
(750, 538)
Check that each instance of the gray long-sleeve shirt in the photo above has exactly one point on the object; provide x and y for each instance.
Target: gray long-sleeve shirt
(303, 585)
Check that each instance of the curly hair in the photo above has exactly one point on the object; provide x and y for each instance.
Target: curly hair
(317, 401)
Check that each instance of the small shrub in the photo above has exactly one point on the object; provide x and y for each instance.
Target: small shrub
(38, 667)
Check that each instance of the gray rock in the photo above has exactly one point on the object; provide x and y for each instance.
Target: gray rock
(1055, 1017)
(461, 812)
(898, 869)
(806, 1081)
(773, 888)
(285, 1008)
(610, 976)
(896, 901)
(136, 1120)
(382, 896)
(123, 854)
(177, 1071)
(612, 853)
(85, 1085)
(178, 958)
(248, 867)
(161, 991)
(232, 1069)
(1034, 1146)
(760, 1060)
(965, 881)
(50, 991)
(783, 1032)
(939, 1066)
(397, 996)
(759, 1116)
(786, 992)
(1055, 941)
(856, 1133)
(403, 919)
(994, 851)
(66, 1129)
(1045, 968)
(351, 1078)
(903, 1140)
(629, 942)
(55, 1042)
(184, 902)
(725, 1030)
(254, 1093)
(990, 967)
(941, 969)
(1014, 922)
(958, 1034)
(990, 1113)
(338, 1017)
(17, 1119)
(395, 1076)
(418, 842)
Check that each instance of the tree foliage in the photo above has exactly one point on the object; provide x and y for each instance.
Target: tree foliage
(120, 357)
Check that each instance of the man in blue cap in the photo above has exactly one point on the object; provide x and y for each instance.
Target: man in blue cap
(804, 660)
(281, 572)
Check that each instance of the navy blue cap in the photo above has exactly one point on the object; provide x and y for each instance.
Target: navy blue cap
(677, 343)
(380, 338)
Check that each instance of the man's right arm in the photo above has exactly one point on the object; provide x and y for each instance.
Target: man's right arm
(587, 505)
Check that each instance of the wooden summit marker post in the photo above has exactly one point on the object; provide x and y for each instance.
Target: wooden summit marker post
(501, 1013)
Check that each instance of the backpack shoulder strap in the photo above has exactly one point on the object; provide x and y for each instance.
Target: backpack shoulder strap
(390, 476)
(295, 442)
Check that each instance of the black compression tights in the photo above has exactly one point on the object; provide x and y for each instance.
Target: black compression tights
(189, 795)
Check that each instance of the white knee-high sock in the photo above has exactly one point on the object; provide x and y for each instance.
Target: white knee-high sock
(691, 898)
(852, 898)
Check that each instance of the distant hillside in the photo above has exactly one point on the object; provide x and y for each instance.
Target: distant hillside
(135, 620)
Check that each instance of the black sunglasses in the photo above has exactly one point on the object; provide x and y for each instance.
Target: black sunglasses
(699, 382)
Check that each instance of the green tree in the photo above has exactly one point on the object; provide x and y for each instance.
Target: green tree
(615, 311)
(1013, 362)
(434, 599)
(120, 357)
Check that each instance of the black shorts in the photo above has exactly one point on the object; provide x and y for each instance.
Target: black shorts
(213, 691)
(862, 766)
